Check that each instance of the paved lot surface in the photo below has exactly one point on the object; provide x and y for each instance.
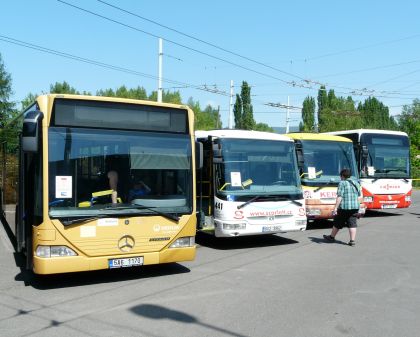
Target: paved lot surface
(290, 285)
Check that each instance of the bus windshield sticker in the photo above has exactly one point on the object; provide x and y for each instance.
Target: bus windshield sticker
(63, 186)
(311, 172)
(371, 171)
(235, 178)
(107, 222)
(87, 231)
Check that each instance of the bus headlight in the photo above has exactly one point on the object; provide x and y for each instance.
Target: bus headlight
(368, 199)
(313, 211)
(300, 223)
(187, 241)
(408, 198)
(234, 226)
(54, 251)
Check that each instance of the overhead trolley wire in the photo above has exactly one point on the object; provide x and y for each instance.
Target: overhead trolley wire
(202, 41)
(362, 47)
(176, 43)
(104, 65)
(307, 83)
(258, 62)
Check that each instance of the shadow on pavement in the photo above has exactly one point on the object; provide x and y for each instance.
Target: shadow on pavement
(321, 240)
(8, 231)
(319, 224)
(379, 214)
(45, 282)
(242, 242)
(158, 312)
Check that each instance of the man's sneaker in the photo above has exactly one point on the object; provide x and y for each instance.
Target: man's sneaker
(352, 243)
(329, 238)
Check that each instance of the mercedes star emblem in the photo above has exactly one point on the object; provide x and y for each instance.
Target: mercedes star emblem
(126, 243)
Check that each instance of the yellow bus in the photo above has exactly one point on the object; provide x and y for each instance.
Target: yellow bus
(92, 183)
(321, 157)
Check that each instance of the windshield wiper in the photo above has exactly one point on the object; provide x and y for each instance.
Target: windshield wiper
(80, 220)
(289, 199)
(249, 201)
(329, 183)
(405, 179)
(275, 198)
(165, 215)
(383, 171)
(321, 187)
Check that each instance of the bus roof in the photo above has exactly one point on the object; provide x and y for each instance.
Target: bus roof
(316, 136)
(241, 134)
(47, 97)
(361, 131)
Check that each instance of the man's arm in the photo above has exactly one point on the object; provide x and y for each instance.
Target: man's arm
(113, 184)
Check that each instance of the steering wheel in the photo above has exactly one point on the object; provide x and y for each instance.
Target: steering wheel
(278, 182)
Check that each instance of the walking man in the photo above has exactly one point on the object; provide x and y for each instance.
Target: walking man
(346, 207)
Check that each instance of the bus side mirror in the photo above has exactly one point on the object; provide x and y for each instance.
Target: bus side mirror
(299, 155)
(30, 131)
(199, 155)
(300, 160)
(217, 151)
(365, 152)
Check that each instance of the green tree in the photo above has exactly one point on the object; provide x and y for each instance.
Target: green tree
(63, 88)
(28, 100)
(409, 122)
(333, 102)
(243, 110)
(322, 102)
(375, 115)
(338, 113)
(308, 115)
(206, 119)
(237, 112)
(123, 92)
(167, 97)
(56, 88)
(263, 127)
(6, 107)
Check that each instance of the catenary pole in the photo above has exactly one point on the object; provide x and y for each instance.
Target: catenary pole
(230, 120)
(159, 95)
(287, 114)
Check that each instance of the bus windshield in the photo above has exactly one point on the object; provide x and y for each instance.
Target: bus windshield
(153, 172)
(388, 156)
(323, 161)
(253, 167)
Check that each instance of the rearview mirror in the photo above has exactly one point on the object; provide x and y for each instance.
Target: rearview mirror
(30, 131)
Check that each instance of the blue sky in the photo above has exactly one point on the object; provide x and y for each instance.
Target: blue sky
(283, 49)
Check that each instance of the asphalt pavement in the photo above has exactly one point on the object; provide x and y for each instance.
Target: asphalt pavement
(294, 284)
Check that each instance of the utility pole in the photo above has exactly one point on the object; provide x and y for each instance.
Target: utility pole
(230, 119)
(218, 118)
(288, 108)
(159, 93)
(287, 115)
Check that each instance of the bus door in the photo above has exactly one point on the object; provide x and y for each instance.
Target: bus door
(30, 198)
(205, 186)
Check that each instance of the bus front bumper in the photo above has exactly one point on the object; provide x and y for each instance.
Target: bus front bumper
(71, 264)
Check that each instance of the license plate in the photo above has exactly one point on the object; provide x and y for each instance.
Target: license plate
(271, 228)
(126, 262)
(389, 206)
